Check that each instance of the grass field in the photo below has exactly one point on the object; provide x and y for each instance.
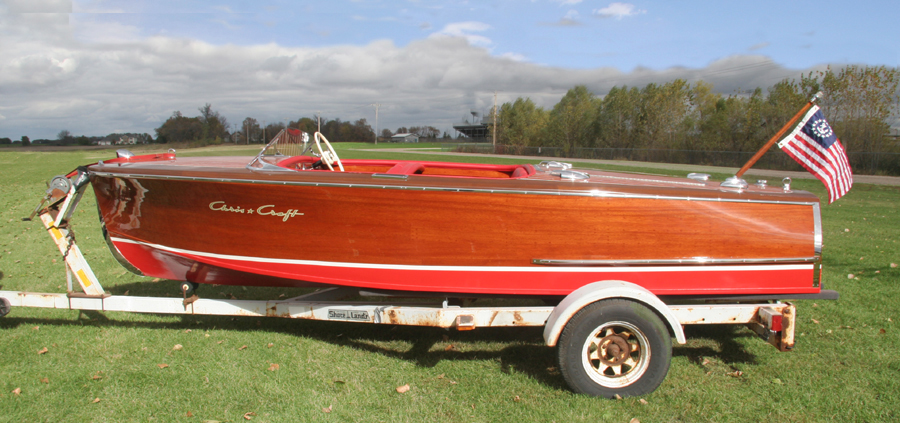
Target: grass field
(60, 365)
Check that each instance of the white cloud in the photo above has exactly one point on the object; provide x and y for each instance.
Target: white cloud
(50, 83)
(514, 56)
(39, 6)
(567, 2)
(618, 11)
(465, 30)
(570, 19)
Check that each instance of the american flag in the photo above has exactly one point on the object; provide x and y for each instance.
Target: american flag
(814, 145)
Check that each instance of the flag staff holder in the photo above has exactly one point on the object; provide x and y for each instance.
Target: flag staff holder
(736, 181)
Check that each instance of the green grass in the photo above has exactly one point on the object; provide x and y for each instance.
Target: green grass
(845, 366)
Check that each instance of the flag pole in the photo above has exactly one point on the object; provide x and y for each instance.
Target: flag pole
(736, 181)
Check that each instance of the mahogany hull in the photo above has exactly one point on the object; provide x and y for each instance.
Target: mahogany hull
(214, 221)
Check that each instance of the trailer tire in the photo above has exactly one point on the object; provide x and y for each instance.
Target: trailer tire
(615, 347)
(4, 307)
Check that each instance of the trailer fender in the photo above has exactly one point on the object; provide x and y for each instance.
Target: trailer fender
(597, 291)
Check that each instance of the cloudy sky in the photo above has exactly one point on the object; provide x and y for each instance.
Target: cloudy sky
(97, 67)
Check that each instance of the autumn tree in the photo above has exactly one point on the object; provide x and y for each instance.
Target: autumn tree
(521, 123)
(251, 130)
(179, 128)
(860, 100)
(618, 118)
(570, 120)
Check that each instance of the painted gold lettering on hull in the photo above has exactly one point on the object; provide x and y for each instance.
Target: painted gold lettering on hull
(266, 210)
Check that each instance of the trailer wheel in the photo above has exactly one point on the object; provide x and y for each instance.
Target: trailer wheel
(4, 307)
(615, 347)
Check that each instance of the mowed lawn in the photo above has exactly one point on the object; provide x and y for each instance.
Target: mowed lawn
(61, 365)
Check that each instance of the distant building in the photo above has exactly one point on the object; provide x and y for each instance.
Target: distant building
(104, 142)
(404, 138)
(126, 140)
(477, 130)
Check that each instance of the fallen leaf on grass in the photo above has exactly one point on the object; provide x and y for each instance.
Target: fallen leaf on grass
(449, 347)
(403, 389)
(618, 397)
(893, 265)
(634, 420)
(643, 401)
(326, 410)
(96, 400)
(249, 415)
(882, 331)
(43, 351)
(36, 327)
(270, 345)
(17, 391)
(815, 321)
(189, 414)
(274, 367)
(242, 347)
(736, 373)
(517, 399)
(177, 347)
(45, 380)
(850, 276)
(162, 365)
(97, 376)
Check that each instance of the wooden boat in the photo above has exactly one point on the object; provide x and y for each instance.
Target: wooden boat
(288, 219)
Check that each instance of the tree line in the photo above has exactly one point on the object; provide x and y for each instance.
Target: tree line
(858, 103)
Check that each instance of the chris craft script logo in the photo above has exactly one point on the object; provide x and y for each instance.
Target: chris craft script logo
(267, 210)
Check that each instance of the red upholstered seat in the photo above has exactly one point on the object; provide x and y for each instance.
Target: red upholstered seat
(406, 168)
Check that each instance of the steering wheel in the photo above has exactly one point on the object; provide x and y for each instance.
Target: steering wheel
(329, 156)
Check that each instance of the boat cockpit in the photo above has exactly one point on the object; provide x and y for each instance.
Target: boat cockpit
(291, 150)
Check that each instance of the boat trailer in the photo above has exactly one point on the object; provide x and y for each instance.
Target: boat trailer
(604, 331)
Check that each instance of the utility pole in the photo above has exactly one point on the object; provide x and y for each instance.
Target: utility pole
(376, 121)
(494, 136)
